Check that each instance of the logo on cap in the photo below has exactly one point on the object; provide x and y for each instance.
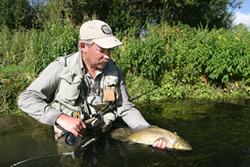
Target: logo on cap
(106, 30)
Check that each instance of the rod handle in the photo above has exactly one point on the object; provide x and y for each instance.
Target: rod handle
(58, 136)
(88, 121)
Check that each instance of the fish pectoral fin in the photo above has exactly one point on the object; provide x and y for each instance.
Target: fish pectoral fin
(124, 138)
(131, 142)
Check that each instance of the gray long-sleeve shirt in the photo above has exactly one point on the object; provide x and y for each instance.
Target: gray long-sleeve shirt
(36, 99)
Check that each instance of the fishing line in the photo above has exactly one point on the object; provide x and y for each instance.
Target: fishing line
(38, 158)
(71, 153)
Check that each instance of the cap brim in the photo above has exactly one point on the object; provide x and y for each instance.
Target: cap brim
(108, 43)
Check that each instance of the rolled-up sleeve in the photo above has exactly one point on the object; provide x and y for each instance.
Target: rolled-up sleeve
(36, 99)
(127, 111)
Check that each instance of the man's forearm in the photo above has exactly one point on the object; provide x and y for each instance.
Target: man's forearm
(36, 107)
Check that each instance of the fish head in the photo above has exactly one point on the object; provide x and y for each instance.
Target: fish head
(181, 144)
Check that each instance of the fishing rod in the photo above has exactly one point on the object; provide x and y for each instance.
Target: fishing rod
(137, 97)
(72, 140)
(103, 112)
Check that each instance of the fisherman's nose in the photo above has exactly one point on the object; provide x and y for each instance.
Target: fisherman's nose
(106, 54)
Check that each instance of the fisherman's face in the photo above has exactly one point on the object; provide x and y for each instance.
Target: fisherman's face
(97, 56)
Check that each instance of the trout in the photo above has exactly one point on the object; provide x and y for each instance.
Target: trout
(152, 134)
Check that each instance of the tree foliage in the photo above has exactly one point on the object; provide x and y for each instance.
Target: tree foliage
(15, 13)
(124, 13)
(120, 14)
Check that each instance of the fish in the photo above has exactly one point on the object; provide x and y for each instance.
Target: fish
(149, 136)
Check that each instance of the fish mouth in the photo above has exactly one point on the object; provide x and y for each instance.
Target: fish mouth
(188, 148)
(185, 148)
(182, 146)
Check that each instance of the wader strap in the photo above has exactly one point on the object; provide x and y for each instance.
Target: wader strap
(85, 110)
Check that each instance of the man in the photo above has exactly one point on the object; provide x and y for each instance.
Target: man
(76, 87)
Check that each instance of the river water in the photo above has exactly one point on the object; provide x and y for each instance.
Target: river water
(219, 133)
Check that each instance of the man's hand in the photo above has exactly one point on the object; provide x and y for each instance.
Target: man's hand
(160, 144)
(71, 124)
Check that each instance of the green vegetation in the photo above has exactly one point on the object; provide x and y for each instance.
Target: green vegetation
(185, 61)
(206, 64)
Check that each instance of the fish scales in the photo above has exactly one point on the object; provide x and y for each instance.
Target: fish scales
(152, 134)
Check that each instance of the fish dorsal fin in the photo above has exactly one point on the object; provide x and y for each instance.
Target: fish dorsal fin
(153, 126)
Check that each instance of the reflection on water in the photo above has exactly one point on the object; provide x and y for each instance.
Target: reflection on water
(219, 133)
(22, 138)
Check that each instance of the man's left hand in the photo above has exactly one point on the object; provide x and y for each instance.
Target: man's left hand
(160, 144)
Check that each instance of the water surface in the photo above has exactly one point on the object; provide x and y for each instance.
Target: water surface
(219, 133)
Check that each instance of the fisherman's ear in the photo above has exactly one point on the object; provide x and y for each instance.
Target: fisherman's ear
(83, 46)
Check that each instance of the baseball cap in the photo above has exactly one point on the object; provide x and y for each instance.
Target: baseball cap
(100, 33)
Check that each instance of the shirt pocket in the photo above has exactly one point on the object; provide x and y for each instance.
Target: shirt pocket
(69, 89)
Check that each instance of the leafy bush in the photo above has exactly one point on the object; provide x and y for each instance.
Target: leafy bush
(228, 59)
(207, 62)
(146, 57)
(218, 55)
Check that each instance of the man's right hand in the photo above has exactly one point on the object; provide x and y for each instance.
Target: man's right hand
(71, 124)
